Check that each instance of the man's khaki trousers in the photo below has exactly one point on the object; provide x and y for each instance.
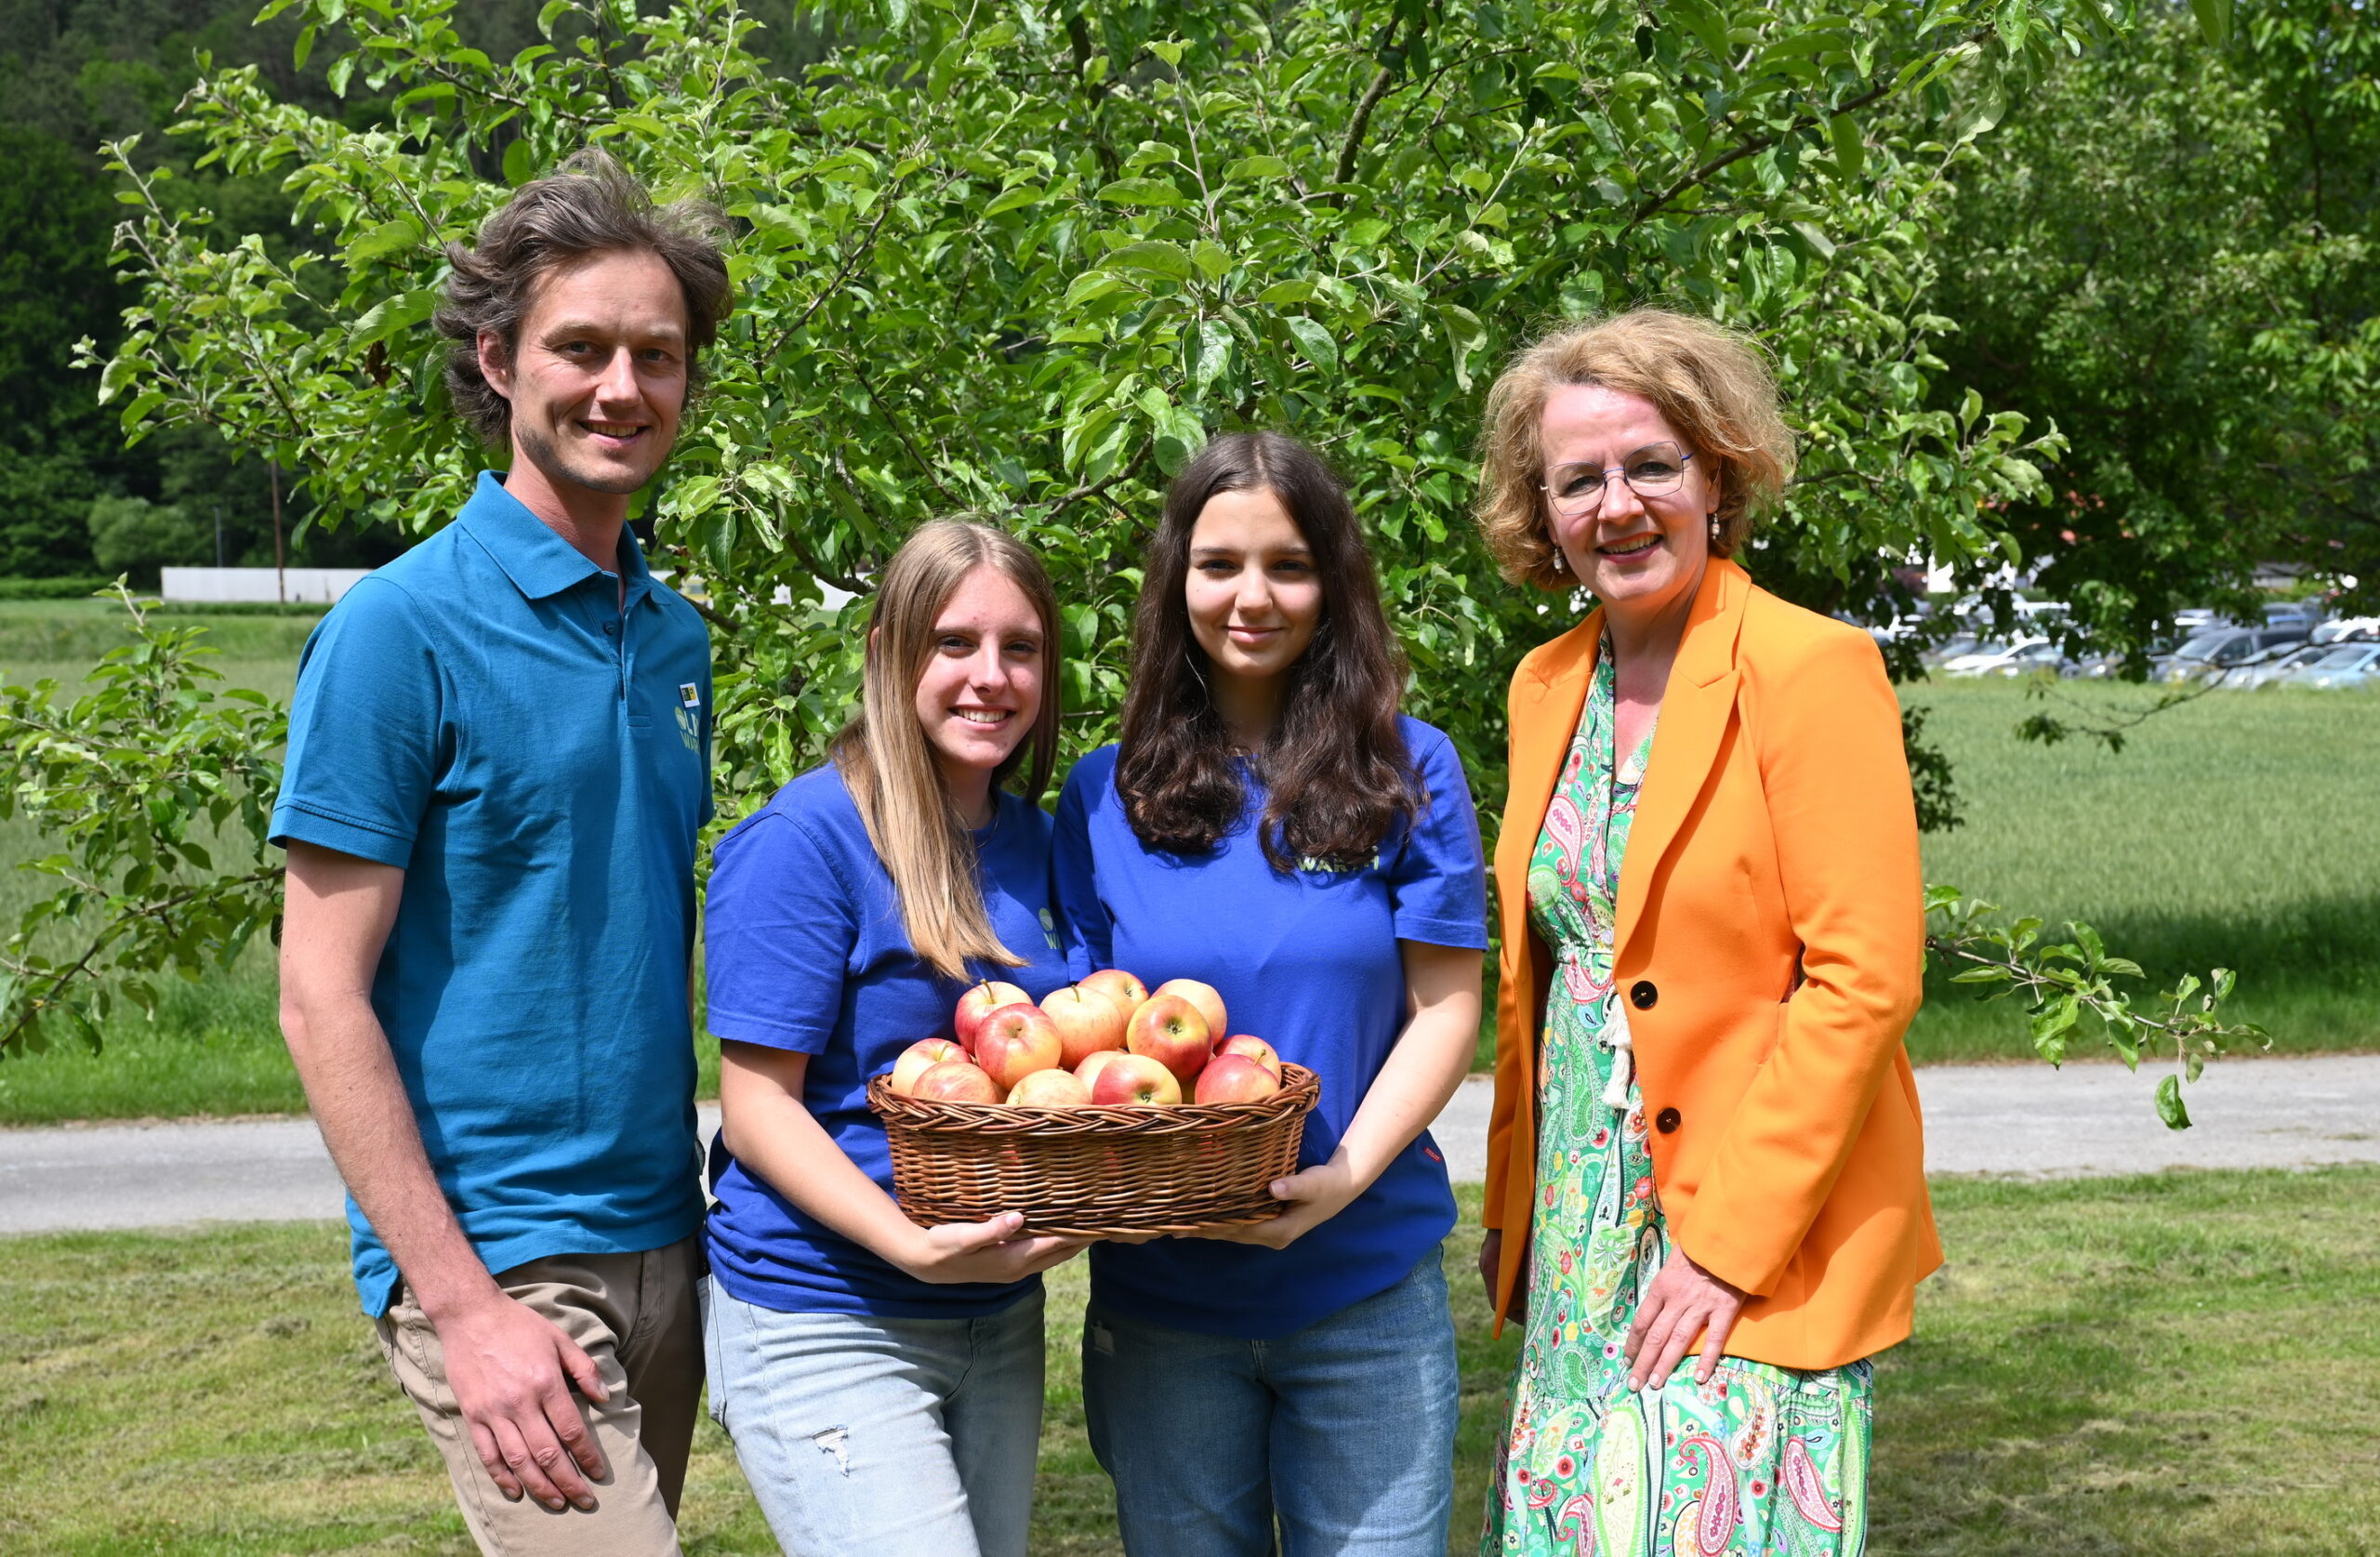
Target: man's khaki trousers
(637, 1316)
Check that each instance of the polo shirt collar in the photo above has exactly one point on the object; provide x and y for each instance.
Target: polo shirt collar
(539, 563)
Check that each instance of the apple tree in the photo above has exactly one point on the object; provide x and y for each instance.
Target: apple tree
(1024, 261)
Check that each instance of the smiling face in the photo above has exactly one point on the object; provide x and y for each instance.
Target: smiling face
(981, 688)
(1638, 555)
(1254, 595)
(598, 378)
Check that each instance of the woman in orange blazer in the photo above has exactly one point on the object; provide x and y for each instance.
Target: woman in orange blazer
(1706, 1134)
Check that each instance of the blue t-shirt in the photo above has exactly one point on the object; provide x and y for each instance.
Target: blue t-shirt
(485, 713)
(804, 949)
(1309, 963)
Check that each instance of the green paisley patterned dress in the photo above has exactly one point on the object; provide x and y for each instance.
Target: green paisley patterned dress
(1762, 1462)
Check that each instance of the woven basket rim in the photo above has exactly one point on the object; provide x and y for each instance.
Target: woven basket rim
(1300, 1090)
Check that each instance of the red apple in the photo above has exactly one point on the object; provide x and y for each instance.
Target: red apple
(1134, 1078)
(955, 1081)
(1119, 986)
(1209, 1004)
(1014, 1041)
(979, 1003)
(1255, 1049)
(1234, 1079)
(917, 1059)
(1088, 1071)
(1049, 1089)
(1087, 1021)
(1169, 1029)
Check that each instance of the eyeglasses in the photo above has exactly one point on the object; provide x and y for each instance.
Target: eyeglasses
(1576, 490)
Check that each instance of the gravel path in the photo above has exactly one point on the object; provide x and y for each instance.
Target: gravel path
(2021, 1119)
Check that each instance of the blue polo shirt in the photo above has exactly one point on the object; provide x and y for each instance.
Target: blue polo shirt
(1307, 961)
(804, 949)
(485, 713)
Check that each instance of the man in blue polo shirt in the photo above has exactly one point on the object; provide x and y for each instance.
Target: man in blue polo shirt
(498, 763)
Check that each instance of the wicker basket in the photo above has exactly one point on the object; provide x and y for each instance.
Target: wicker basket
(1091, 1172)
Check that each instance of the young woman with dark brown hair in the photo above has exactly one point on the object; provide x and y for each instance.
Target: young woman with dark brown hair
(1271, 825)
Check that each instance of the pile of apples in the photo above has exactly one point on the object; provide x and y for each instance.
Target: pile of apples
(1106, 1042)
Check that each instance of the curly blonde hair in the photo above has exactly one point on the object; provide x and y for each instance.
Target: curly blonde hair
(1710, 383)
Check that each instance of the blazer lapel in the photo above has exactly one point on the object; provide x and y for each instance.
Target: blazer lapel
(1695, 708)
(1544, 717)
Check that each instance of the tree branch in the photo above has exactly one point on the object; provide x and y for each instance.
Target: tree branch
(1363, 117)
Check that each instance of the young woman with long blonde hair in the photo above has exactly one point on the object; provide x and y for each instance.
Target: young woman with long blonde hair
(882, 1382)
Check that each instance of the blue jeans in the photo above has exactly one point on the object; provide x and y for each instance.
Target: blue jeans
(866, 1437)
(1343, 1430)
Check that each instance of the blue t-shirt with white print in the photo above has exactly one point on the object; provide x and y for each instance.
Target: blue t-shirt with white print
(805, 949)
(1307, 961)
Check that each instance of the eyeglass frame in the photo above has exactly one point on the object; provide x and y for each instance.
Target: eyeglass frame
(1685, 458)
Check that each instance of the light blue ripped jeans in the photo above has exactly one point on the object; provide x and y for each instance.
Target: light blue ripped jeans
(887, 1437)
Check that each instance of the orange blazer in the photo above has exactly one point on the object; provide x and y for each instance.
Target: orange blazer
(1770, 937)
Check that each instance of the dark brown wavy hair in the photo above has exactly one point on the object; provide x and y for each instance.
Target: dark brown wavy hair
(588, 205)
(1336, 770)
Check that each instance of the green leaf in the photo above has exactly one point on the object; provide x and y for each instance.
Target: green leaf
(520, 163)
(400, 313)
(1286, 294)
(551, 12)
(389, 237)
(1850, 145)
(1144, 192)
(1016, 199)
(1249, 168)
(2215, 24)
(1156, 258)
(1818, 241)
(1320, 348)
(2169, 1103)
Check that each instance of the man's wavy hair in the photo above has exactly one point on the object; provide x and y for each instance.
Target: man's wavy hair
(590, 205)
(1336, 770)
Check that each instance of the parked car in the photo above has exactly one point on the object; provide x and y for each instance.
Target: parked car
(2043, 655)
(2267, 666)
(1951, 648)
(2342, 666)
(2347, 630)
(2293, 613)
(1991, 658)
(2217, 649)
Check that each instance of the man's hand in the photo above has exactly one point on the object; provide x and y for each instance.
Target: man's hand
(985, 1251)
(1683, 1299)
(512, 1369)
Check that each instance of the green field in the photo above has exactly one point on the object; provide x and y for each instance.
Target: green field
(2172, 1365)
(2240, 830)
(2237, 830)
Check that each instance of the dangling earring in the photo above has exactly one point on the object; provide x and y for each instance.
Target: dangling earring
(1715, 527)
(1561, 563)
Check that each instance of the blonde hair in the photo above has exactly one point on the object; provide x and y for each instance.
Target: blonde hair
(889, 765)
(1708, 381)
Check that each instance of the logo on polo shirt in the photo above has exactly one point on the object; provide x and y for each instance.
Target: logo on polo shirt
(689, 695)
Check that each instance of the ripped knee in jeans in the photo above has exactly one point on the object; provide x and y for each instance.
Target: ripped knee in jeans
(835, 1441)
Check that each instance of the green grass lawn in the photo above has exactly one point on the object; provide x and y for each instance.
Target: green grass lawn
(2177, 1363)
(2240, 830)
(2237, 830)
